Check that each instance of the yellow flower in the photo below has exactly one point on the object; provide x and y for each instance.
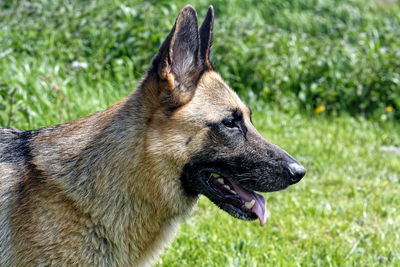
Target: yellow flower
(389, 109)
(319, 109)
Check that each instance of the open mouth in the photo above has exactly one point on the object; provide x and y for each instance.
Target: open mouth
(234, 199)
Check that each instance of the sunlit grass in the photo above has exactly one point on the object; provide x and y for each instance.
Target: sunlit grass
(298, 54)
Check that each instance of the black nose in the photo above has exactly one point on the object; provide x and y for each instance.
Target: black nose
(297, 171)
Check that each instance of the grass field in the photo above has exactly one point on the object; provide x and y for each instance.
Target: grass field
(60, 60)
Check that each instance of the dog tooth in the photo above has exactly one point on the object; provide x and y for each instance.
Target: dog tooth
(215, 175)
(227, 187)
(233, 192)
(221, 180)
(250, 204)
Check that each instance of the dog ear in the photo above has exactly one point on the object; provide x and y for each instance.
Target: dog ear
(206, 38)
(177, 62)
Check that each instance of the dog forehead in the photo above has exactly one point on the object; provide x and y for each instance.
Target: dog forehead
(214, 97)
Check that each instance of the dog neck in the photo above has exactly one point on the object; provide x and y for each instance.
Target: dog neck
(102, 165)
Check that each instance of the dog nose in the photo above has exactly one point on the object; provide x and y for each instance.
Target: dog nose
(297, 171)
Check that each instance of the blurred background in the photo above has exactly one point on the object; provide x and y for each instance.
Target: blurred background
(322, 78)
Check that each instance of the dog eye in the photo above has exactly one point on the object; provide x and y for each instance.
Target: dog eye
(229, 123)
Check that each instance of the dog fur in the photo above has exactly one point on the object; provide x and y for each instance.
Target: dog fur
(110, 189)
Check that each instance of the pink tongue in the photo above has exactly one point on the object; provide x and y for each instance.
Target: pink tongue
(259, 207)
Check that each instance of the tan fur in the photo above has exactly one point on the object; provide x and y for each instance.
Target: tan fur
(105, 190)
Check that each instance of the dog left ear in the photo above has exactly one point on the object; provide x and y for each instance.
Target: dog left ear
(206, 38)
(177, 63)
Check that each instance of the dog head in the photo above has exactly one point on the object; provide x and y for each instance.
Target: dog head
(201, 127)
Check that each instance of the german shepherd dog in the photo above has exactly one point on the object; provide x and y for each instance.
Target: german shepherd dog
(110, 189)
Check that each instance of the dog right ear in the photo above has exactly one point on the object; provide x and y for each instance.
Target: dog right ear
(177, 63)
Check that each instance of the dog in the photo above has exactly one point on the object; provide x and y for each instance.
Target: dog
(110, 189)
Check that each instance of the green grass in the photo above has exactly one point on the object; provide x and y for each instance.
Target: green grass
(285, 58)
(298, 54)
